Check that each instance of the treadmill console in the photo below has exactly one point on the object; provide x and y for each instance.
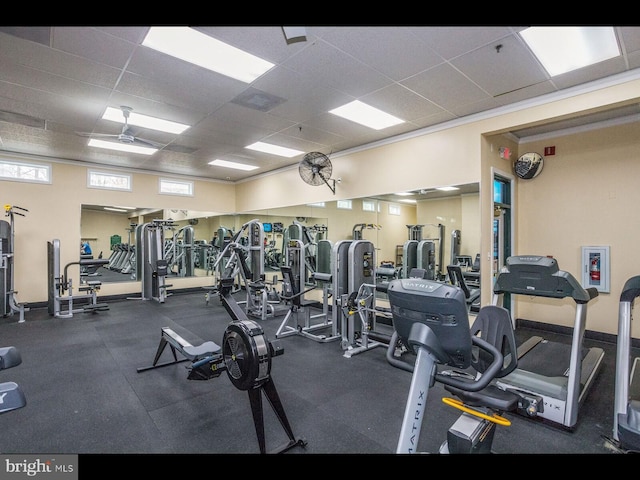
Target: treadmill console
(441, 307)
(539, 276)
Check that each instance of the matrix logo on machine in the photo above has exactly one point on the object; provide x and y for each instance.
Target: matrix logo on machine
(60, 467)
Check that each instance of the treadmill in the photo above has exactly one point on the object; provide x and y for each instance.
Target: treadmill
(552, 378)
(626, 415)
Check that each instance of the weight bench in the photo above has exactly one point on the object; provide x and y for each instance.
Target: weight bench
(206, 358)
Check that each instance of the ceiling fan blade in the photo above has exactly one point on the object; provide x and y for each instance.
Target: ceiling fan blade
(148, 143)
(97, 135)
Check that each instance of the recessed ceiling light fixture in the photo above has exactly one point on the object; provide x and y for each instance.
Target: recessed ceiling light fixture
(563, 49)
(274, 149)
(123, 147)
(228, 164)
(447, 189)
(195, 47)
(366, 115)
(139, 120)
(113, 209)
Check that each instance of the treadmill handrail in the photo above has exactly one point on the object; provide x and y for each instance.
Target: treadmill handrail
(631, 289)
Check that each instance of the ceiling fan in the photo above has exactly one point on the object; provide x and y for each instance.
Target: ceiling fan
(315, 169)
(127, 135)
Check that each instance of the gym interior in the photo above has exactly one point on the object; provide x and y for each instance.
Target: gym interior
(318, 307)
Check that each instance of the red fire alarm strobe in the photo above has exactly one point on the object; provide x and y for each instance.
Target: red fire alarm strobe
(549, 151)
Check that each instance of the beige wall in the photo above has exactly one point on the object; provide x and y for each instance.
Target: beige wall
(586, 195)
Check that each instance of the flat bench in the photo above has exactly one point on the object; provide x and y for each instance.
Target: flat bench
(177, 343)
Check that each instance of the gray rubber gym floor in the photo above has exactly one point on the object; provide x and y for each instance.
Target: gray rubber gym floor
(85, 395)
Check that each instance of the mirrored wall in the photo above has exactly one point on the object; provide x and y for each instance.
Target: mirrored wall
(388, 221)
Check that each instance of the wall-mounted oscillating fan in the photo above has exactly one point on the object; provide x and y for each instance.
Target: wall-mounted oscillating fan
(315, 169)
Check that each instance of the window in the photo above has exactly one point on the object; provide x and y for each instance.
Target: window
(344, 204)
(109, 181)
(25, 172)
(368, 206)
(176, 187)
(394, 209)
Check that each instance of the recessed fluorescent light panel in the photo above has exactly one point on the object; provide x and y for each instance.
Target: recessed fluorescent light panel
(447, 189)
(404, 194)
(563, 49)
(123, 147)
(139, 120)
(113, 209)
(274, 149)
(227, 164)
(195, 47)
(366, 115)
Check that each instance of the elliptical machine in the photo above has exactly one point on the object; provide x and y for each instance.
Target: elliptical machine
(431, 321)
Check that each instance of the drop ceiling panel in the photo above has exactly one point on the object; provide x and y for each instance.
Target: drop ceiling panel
(392, 51)
(95, 45)
(501, 70)
(446, 87)
(450, 42)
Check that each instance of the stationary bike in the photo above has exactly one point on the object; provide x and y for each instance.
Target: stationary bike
(431, 322)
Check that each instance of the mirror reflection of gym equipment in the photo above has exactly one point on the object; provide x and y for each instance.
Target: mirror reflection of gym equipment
(552, 379)
(243, 257)
(419, 252)
(262, 300)
(180, 252)
(63, 304)
(309, 236)
(151, 265)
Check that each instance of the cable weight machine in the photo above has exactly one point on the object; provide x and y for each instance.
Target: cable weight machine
(8, 303)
